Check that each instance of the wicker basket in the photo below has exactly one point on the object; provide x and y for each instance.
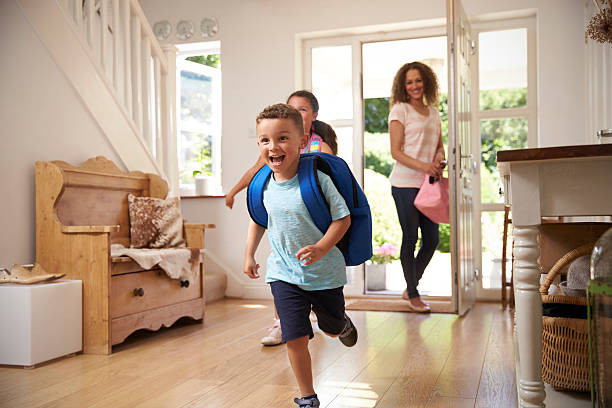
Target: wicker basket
(565, 341)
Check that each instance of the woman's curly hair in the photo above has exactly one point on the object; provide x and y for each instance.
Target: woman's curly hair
(430, 84)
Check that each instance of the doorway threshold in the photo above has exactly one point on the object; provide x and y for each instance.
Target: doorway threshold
(388, 303)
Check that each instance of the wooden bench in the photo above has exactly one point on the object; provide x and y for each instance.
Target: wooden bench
(80, 212)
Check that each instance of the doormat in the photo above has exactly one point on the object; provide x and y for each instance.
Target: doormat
(395, 305)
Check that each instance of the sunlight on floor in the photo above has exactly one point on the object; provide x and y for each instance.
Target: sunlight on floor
(254, 306)
(354, 394)
(356, 402)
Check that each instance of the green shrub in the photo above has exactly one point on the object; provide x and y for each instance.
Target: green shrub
(386, 228)
(444, 245)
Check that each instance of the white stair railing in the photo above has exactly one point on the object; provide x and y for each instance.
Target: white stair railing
(140, 72)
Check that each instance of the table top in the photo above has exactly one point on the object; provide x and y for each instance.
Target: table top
(557, 152)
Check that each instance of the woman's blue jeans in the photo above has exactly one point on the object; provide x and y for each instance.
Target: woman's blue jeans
(411, 220)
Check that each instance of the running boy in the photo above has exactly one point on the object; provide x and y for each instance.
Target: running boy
(305, 269)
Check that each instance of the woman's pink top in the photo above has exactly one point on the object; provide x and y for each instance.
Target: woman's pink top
(421, 137)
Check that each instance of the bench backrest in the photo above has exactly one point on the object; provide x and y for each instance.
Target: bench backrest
(92, 194)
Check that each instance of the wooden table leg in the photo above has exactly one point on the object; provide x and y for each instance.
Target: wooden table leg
(528, 317)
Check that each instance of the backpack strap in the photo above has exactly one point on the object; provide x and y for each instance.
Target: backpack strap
(311, 191)
(255, 204)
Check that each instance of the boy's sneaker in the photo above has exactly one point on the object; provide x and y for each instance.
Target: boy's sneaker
(311, 402)
(348, 337)
(275, 335)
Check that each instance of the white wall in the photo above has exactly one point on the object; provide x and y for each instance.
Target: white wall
(257, 47)
(42, 119)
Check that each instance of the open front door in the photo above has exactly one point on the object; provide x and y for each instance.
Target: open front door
(461, 157)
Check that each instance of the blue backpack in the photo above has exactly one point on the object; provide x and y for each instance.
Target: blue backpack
(356, 244)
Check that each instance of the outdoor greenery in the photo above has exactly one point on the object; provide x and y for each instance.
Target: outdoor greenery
(496, 134)
(503, 98)
(198, 159)
(211, 60)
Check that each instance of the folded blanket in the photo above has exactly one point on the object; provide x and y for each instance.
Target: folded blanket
(178, 263)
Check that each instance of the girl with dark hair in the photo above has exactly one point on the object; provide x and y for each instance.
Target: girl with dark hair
(318, 132)
(416, 146)
(321, 138)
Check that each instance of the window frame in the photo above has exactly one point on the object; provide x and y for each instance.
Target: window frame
(530, 112)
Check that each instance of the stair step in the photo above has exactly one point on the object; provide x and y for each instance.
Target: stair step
(215, 286)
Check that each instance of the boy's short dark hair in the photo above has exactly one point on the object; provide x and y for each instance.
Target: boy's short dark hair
(282, 111)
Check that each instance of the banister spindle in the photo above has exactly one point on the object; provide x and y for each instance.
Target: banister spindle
(78, 13)
(127, 54)
(159, 153)
(90, 22)
(104, 58)
(169, 118)
(116, 43)
(136, 73)
(146, 93)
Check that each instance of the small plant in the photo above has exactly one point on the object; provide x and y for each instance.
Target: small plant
(384, 254)
(201, 172)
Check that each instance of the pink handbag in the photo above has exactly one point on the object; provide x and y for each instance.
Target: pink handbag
(432, 199)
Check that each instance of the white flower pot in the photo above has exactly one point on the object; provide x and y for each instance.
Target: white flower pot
(376, 276)
(204, 185)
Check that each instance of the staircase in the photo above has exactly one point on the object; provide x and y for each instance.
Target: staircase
(108, 52)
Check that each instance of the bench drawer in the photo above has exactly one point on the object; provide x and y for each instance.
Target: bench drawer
(140, 291)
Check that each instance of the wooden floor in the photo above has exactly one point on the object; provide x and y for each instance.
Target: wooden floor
(400, 360)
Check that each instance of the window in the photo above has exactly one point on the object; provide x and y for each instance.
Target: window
(199, 117)
(502, 73)
(332, 84)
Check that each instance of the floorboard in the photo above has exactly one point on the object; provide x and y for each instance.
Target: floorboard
(401, 360)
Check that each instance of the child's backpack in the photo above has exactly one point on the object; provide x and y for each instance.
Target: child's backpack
(356, 244)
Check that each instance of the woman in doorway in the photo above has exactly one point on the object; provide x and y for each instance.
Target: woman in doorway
(416, 147)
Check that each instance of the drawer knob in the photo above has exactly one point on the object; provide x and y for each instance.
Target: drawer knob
(139, 292)
(184, 284)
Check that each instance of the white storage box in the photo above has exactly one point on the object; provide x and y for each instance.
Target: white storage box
(40, 322)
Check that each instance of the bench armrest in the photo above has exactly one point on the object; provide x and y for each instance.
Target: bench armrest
(194, 234)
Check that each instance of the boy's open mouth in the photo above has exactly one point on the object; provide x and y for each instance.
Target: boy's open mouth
(276, 160)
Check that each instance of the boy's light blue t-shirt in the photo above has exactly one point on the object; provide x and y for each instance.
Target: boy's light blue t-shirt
(291, 228)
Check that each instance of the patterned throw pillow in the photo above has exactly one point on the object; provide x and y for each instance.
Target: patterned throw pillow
(155, 223)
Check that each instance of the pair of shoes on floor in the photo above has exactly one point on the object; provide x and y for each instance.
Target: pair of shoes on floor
(348, 337)
(308, 402)
(275, 335)
(416, 304)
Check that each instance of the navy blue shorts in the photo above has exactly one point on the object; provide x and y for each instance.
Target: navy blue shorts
(293, 306)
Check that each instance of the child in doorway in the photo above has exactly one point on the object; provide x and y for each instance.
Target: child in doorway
(305, 269)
